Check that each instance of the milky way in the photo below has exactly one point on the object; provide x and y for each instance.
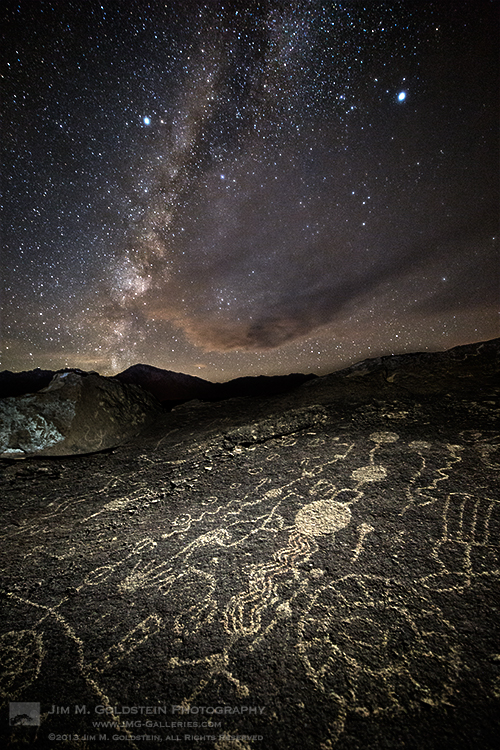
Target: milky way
(243, 188)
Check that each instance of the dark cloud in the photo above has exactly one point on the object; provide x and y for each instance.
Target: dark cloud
(190, 178)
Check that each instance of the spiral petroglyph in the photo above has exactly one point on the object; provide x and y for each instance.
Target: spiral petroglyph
(340, 570)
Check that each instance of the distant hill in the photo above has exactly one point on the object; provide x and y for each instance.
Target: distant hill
(166, 385)
(170, 388)
(173, 388)
(28, 381)
(81, 412)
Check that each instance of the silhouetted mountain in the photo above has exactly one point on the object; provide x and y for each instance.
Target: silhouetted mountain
(433, 370)
(166, 385)
(170, 388)
(260, 385)
(174, 387)
(28, 381)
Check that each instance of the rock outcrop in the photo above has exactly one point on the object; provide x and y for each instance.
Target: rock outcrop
(315, 569)
(74, 414)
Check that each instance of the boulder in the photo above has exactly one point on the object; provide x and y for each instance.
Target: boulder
(76, 413)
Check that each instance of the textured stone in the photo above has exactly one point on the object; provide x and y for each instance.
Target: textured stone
(74, 414)
(327, 558)
(286, 424)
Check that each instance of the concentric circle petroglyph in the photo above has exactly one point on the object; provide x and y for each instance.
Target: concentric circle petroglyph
(322, 517)
(363, 645)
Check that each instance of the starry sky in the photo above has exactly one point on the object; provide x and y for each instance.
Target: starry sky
(241, 188)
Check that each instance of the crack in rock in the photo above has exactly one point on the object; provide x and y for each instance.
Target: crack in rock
(276, 427)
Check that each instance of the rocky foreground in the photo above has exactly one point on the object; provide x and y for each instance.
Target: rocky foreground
(318, 569)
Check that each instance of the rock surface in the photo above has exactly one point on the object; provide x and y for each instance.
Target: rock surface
(320, 569)
(74, 414)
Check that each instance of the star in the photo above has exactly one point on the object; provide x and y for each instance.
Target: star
(248, 195)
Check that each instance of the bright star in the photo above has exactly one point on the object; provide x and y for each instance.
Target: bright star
(401, 96)
(146, 120)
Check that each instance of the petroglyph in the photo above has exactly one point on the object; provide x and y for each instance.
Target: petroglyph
(305, 563)
(364, 530)
(267, 429)
(322, 517)
(21, 656)
(364, 648)
(469, 544)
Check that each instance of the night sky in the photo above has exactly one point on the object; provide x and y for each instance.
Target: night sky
(244, 188)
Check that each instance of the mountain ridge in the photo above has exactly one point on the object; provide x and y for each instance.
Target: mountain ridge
(172, 388)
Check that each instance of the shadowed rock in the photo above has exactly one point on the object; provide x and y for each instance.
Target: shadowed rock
(326, 559)
(266, 429)
(74, 414)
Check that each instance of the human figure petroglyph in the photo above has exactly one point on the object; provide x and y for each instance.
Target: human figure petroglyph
(286, 535)
(468, 546)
